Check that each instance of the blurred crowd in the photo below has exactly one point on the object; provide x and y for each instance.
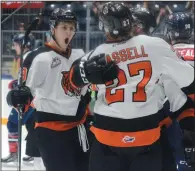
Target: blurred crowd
(159, 9)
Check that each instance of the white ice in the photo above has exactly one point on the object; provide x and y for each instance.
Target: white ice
(5, 152)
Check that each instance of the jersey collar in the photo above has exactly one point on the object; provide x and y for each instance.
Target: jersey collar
(66, 54)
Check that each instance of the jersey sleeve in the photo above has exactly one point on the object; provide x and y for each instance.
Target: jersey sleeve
(175, 74)
(173, 65)
(26, 66)
(173, 92)
(37, 73)
(179, 102)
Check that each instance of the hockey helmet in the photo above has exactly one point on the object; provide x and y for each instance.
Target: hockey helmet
(116, 19)
(62, 15)
(178, 26)
(143, 19)
(19, 37)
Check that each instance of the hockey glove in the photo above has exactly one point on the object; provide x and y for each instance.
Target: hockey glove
(19, 96)
(97, 71)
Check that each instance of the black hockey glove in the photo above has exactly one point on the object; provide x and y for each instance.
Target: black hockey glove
(97, 71)
(19, 96)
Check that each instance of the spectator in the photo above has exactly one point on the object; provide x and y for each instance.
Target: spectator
(16, 46)
(97, 6)
(43, 24)
(164, 11)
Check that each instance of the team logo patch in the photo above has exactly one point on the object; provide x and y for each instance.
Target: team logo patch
(68, 89)
(128, 139)
(55, 62)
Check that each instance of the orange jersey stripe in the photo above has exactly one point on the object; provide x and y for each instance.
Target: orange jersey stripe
(186, 113)
(61, 125)
(126, 139)
(166, 122)
(57, 125)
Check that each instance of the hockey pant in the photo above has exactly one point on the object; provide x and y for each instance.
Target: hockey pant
(173, 149)
(168, 159)
(31, 141)
(107, 158)
(12, 126)
(172, 144)
(61, 150)
(176, 136)
(189, 141)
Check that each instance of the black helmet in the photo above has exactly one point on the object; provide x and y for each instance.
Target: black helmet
(178, 26)
(144, 19)
(116, 19)
(18, 38)
(62, 15)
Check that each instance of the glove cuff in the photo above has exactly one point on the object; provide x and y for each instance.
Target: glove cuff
(83, 71)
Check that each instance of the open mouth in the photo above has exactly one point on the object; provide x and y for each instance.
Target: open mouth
(66, 40)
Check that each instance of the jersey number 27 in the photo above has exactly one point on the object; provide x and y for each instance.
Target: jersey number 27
(139, 95)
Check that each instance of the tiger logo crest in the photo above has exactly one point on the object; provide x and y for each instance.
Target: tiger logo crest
(68, 89)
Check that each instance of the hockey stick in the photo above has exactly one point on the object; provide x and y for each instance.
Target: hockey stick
(20, 83)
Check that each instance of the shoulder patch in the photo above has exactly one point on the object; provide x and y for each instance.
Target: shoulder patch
(55, 62)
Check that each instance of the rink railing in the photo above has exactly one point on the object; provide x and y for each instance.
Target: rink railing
(79, 41)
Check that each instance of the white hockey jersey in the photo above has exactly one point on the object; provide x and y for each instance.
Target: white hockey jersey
(186, 51)
(47, 79)
(126, 110)
(142, 60)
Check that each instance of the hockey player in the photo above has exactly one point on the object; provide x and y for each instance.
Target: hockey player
(126, 124)
(60, 108)
(12, 124)
(144, 21)
(178, 30)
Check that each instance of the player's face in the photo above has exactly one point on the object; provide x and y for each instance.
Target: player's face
(17, 48)
(64, 33)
